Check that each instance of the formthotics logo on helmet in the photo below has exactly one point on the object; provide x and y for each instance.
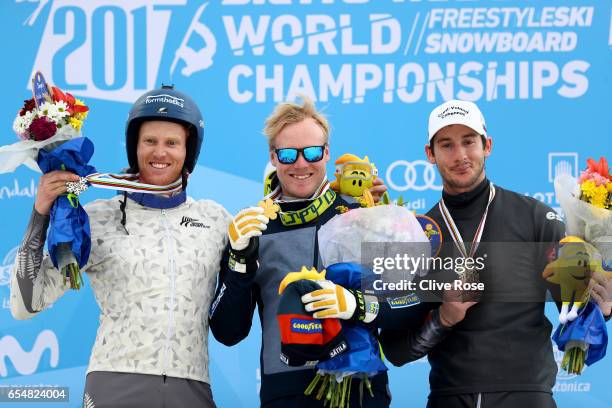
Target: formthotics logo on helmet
(165, 98)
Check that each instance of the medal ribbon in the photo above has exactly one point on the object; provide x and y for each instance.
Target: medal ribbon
(454, 231)
(321, 200)
(129, 183)
(309, 213)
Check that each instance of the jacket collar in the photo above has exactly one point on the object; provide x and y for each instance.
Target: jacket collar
(158, 201)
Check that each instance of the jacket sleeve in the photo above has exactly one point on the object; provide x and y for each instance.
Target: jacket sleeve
(35, 283)
(231, 312)
(404, 345)
(409, 317)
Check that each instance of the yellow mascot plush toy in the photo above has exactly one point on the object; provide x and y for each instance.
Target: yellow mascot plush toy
(354, 177)
(576, 261)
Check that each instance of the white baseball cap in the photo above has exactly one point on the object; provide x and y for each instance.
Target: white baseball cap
(456, 112)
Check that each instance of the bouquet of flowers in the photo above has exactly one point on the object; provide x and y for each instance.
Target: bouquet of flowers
(49, 126)
(362, 361)
(587, 204)
(596, 184)
(39, 123)
(46, 120)
(343, 243)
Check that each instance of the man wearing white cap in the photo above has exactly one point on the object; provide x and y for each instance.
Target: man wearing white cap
(495, 352)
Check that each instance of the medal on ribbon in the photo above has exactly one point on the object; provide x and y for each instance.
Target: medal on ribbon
(470, 274)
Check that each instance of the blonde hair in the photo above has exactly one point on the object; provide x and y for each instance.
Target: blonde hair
(288, 113)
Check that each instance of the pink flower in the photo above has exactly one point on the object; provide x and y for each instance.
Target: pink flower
(585, 175)
(589, 174)
(42, 128)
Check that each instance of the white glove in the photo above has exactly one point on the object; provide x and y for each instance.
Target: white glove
(247, 224)
(332, 301)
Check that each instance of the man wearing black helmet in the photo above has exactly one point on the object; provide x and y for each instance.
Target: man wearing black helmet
(153, 264)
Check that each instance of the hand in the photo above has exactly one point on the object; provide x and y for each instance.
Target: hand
(331, 301)
(602, 292)
(51, 186)
(247, 224)
(453, 309)
(378, 189)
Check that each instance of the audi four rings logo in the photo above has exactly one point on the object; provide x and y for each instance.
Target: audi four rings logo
(419, 175)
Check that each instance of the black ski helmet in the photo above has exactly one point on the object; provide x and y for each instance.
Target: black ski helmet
(165, 104)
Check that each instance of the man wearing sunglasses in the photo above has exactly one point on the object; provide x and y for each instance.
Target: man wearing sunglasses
(298, 139)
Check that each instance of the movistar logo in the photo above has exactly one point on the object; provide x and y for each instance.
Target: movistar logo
(306, 326)
(26, 362)
(165, 98)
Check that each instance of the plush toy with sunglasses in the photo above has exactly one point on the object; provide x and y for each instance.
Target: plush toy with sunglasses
(354, 176)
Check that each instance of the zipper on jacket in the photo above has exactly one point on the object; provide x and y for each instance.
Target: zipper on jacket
(315, 260)
(171, 267)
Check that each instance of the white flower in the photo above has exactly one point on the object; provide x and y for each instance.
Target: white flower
(61, 109)
(51, 111)
(22, 123)
(18, 125)
(46, 109)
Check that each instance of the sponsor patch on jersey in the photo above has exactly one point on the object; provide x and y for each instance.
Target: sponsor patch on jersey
(235, 265)
(551, 215)
(192, 222)
(403, 301)
(339, 349)
(306, 326)
(372, 307)
(432, 231)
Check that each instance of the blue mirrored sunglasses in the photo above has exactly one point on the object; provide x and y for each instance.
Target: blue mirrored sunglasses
(290, 155)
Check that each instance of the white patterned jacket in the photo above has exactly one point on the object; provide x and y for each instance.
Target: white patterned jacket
(154, 286)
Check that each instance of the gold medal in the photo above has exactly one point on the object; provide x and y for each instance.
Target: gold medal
(270, 208)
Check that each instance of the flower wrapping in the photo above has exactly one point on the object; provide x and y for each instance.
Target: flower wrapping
(340, 246)
(586, 204)
(588, 332)
(364, 353)
(25, 152)
(69, 222)
(341, 238)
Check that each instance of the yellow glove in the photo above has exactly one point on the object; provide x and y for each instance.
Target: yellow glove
(247, 224)
(334, 301)
(331, 301)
